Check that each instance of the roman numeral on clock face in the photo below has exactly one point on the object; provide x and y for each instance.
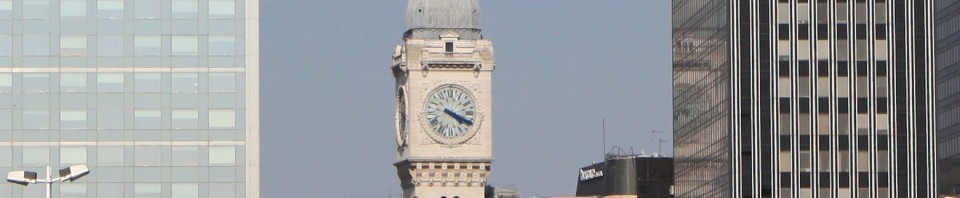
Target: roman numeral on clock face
(451, 111)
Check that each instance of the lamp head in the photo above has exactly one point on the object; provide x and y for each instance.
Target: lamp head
(22, 177)
(73, 172)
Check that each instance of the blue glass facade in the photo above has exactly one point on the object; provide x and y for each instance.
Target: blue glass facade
(152, 95)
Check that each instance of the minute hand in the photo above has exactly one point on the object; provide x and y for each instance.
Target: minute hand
(456, 116)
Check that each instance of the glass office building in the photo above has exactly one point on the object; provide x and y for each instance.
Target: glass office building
(804, 98)
(158, 97)
(948, 95)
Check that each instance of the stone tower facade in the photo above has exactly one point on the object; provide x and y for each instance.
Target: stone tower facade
(444, 101)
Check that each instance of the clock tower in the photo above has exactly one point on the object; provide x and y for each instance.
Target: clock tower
(444, 114)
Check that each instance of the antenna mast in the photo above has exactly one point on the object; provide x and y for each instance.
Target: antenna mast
(659, 141)
(603, 129)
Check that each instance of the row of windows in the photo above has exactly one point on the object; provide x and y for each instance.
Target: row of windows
(948, 26)
(120, 119)
(823, 31)
(860, 11)
(122, 62)
(844, 180)
(863, 105)
(105, 45)
(823, 68)
(103, 156)
(122, 27)
(107, 82)
(120, 101)
(949, 148)
(946, 58)
(139, 190)
(862, 142)
(844, 163)
(948, 118)
(115, 9)
(842, 192)
(822, 49)
(162, 135)
(823, 124)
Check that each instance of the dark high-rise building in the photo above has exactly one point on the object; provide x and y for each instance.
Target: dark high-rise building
(627, 176)
(948, 92)
(804, 98)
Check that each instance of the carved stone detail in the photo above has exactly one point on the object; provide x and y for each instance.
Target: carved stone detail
(432, 174)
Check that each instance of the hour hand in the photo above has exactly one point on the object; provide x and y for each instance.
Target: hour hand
(456, 116)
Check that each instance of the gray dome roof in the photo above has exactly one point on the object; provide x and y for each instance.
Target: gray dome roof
(443, 14)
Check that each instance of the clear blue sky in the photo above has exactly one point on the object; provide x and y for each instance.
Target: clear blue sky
(562, 65)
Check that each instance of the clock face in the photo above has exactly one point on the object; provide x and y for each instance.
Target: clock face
(401, 117)
(450, 111)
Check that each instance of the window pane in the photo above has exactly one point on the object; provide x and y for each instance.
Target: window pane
(6, 5)
(222, 45)
(6, 118)
(36, 45)
(73, 82)
(222, 118)
(147, 156)
(36, 9)
(36, 102)
(109, 118)
(110, 4)
(147, 82)
(36, 156)
(110, 46)
(36, 119)
(221, 7)
(148, 9)
(223, 190)
(147, 45)
(147, 190)
(184, 46)
(184, 6)
(73, 119)
(184, 118)
(186, 156)
(110, 156)
(110, 82)
(6, 156)
(222, 155)
(186, 190)
(36, 83)
(6, 45)
(73, 155)
(109, 190)
(184, 83)
(222, 82)
(73, 8)
(73, 46)
(110, 9)
(147, 119)
(73, 190)
(6, 80)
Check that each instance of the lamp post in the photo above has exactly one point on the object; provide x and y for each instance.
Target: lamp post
(67, 174)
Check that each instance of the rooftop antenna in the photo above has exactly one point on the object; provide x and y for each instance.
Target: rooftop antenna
(603, 129)
(659, 142)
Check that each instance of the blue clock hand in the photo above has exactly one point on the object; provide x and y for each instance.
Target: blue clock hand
(459, 118)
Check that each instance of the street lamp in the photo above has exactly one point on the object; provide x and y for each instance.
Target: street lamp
(67, 174)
